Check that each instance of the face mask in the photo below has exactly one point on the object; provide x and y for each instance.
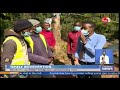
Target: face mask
(38, 30)
(77, 28)
(85, 32)
(104, 53)
(49, 28)
(26, 34)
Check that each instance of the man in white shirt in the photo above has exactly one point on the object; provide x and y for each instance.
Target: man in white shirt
(104, 59)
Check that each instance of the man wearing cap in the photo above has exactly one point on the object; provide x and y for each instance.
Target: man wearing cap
(48, 34)
(39, 52)
(14, 48)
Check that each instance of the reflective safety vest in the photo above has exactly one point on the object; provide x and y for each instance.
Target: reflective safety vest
(31, 43)
(21, 55)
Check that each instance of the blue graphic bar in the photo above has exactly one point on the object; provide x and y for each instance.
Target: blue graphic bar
(70, 73)
(54, 66)
(60, 68)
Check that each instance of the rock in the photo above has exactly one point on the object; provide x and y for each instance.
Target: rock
(115, 41)
(107, 44)
(116, 53)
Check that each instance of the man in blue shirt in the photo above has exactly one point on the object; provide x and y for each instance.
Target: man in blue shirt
(88, 42)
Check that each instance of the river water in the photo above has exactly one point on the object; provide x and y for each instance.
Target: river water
(115, 47)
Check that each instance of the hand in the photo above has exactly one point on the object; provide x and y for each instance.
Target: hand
(52, 48)
(50, 60)
(76, 62)
(1, 77)
(83, 38)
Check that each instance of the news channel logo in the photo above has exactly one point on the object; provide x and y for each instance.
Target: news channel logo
(103, 56)
(107, 68)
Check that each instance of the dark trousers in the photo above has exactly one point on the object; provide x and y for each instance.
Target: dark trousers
(88, 76)
(71, 57)
(72, 61)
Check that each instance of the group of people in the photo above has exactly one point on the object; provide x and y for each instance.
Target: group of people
(29, 43)
(82, 43)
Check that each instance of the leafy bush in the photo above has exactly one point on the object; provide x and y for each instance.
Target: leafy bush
(111, 30)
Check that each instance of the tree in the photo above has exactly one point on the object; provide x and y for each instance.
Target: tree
(56, 29)
(60, 53)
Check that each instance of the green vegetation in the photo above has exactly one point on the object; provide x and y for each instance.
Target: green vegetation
(111, 30)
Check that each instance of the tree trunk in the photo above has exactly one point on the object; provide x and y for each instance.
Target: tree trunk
(56, 31)
(60, 47)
